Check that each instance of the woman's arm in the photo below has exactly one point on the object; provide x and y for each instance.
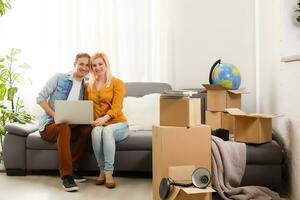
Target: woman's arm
(117, 101)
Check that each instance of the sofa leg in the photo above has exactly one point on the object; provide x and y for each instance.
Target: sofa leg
(16, 172)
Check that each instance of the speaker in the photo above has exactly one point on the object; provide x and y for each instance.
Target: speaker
(201, 178)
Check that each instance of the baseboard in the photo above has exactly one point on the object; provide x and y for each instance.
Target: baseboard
(16, 172)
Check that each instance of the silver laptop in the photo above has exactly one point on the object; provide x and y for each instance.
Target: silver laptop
(73, 112)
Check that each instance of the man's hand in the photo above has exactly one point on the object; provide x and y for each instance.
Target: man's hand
(46, 108)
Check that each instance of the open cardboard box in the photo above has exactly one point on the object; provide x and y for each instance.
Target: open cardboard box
(217, 119)
(180, 112)
(252, 128)
(177, 146)
(183, 174)
(218, 98)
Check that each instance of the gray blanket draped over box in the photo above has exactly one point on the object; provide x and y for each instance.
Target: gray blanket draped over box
(228, 165)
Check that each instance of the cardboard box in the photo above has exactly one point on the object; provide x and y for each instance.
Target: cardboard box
(180, 112)
(183, 174)
(176, 146)
(252, 128)
(216, 119)
(218, 98)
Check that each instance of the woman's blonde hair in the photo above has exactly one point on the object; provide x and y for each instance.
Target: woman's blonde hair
(108, 71)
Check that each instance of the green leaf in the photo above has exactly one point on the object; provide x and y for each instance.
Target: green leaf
(24, 66)
(7, 5)
(10, 59)
(5, 117)
(15, 51)
(2, 9)
(18, 78)
(298, 18)
(2, 130)
(19, 119)
(25, 76)
(2, 91)
(2, 59)
(11, 93)
(4, 75)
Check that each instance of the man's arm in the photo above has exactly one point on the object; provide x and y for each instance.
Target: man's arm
(48, 89)
(45, 93)
(46, 107)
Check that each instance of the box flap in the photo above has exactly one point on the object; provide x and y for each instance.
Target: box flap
(174, 193)
(261, 115)
(213, 87)
(181, 174)
(194, 190)
(236, 111)
(220, 87)
(239, 91)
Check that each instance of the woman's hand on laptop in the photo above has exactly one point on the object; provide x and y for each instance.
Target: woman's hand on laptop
(101, 120)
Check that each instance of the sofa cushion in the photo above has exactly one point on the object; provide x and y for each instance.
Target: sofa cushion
(137, 140)
(142, 112)
(34, 141)
(268, 153)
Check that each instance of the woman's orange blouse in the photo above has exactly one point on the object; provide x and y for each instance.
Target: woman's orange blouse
(108, 100)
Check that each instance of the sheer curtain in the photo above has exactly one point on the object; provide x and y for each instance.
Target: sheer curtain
(133, 33)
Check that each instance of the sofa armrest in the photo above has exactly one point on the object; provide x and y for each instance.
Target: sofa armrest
(21, 129)
(14, 148)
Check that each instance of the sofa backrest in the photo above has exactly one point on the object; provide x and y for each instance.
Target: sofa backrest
(139, 89)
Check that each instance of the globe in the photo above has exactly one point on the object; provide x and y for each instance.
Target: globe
(226, 75)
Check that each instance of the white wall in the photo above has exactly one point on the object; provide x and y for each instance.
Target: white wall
(203, 32)
(280, 81)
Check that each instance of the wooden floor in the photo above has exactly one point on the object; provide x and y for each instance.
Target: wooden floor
(49, 187)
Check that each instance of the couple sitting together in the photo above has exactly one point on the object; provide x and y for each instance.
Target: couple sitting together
(109, 126)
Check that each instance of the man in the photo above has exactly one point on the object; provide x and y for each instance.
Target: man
(66, 87)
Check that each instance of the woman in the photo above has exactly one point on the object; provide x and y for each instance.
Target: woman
(110, 125)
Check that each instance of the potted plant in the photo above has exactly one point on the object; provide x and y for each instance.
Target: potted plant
(4, 5)
(11, 106)
(298, 10)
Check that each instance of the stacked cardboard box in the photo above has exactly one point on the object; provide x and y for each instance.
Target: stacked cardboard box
(180, 140)
(182, 174)
(180, 112)
(252, 128)
(220, 120)
(224, 111)
(218, 99)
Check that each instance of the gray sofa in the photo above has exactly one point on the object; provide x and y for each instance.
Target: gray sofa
(25, 151)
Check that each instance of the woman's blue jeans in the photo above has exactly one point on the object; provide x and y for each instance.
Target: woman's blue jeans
(104, 140)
